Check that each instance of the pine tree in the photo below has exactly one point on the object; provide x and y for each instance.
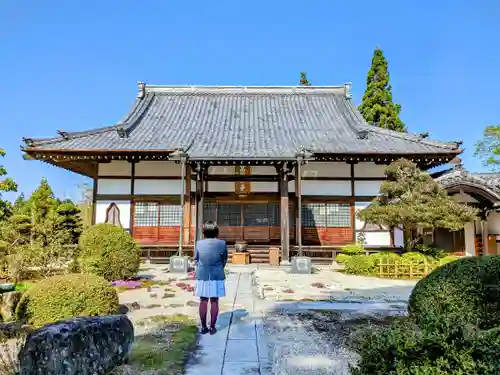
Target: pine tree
(377, 107)
(303, 79)
(412, 199)
(70, 220)
(6, 185)
(488, 148)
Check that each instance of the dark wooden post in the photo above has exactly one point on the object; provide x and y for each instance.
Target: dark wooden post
(298, 194)
(183, 196)
(199, 201)
(284, 212)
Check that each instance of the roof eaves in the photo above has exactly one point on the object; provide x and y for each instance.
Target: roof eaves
(127, 123)
(412, 137)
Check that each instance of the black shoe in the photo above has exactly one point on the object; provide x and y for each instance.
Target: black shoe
(213, 331)
(204, 330)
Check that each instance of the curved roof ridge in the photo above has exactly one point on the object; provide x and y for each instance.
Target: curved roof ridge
(413, 137)
(135, 113)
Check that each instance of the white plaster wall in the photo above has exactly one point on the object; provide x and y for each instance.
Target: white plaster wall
(399, 239)
(367, 188)
(113, 186)
(157, 168)
(469, 239)
(115, 168)
(123, 206)
(221, 170)
(376, 238)
(358, 206)
(464, 198)
(264, 169)
(291, 186)
(221, 186)
(494, 223)
(315, 187)
(317, 169)
(369, 170)
(264, 187)
(157, 187)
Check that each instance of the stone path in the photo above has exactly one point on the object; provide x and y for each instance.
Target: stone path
(259, 337)
(239, 346)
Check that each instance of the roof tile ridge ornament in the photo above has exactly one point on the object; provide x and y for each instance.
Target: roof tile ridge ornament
(141, 90)
(348, 90)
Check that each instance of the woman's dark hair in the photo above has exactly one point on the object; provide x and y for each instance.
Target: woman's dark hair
(210, 229)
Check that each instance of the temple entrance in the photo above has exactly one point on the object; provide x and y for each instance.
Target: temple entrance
(256, 222)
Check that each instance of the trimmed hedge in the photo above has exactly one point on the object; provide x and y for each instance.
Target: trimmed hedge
(359, 265)
(342, 258)
(109, 251)
(448, 348)
(65, 296)
(353, 249)
(466, 291)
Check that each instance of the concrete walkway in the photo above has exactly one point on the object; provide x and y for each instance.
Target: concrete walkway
(239, 346)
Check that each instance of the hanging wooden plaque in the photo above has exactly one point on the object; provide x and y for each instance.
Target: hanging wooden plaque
(242, 187)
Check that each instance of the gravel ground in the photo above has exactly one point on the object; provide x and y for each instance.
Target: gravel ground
(316, 342)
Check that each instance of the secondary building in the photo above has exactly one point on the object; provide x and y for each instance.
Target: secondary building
(285, 167)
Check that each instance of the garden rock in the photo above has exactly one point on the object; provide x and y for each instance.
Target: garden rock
(9, 303)
(83, 345)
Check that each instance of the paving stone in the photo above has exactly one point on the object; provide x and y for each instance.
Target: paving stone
(241, 368)
(242, 330)
(241, 351)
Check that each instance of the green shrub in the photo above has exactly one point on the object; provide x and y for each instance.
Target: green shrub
(432, 252)
(65, 296)
(109, 251)
(353, 248)
(404, 349)
(359, 265)
(448, 259)
(342, 258)
(385, 257)
(465, 291)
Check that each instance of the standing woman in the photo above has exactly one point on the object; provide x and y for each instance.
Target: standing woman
(210, 258)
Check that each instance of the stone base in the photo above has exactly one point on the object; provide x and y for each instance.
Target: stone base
(301, 265)
(179, 264)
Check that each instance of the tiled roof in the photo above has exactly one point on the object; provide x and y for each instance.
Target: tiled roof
(488, 182)
(252, 122)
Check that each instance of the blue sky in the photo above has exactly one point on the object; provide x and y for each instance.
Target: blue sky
(74, 65)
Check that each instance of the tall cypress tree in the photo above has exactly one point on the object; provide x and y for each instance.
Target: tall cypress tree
(6, 185)
(377, 107)
(303, 79)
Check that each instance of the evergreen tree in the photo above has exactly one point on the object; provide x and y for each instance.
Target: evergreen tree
(70, 220)
(377, 107)
(6, 185)
(303, 79)
(488, 148)
(412, 199)
(19, 203)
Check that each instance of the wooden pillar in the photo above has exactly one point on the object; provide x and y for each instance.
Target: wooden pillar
(132, 193)
(353, 205)
(284, 212)
(199, 202)
(94, 200)
(183, 201)
(484, 236)
(298, 193)
(187, 207)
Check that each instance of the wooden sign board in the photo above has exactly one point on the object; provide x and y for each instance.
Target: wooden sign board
(242, 187)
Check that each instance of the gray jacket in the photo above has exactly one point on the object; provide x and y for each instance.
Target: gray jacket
(210, 258)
